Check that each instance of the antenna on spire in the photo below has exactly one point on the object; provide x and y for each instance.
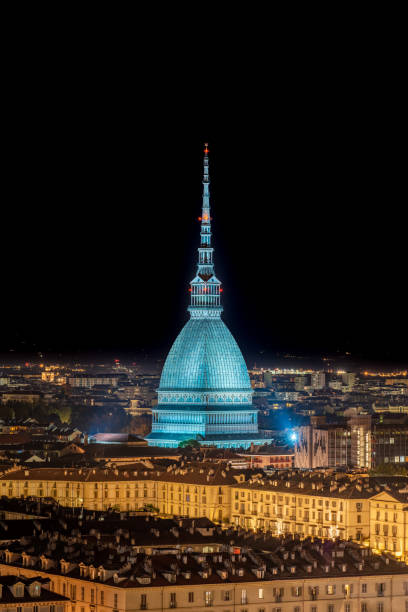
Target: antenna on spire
(206, 149)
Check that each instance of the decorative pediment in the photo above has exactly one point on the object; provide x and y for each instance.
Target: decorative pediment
(385, 496)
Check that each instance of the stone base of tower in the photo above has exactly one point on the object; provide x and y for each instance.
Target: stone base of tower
(169, 440)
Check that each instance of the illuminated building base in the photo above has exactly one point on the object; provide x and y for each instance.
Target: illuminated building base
(222, 441)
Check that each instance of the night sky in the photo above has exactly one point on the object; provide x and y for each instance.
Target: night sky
(100, 228)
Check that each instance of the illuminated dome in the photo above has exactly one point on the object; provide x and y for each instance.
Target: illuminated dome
(205, 392)
(204, 357)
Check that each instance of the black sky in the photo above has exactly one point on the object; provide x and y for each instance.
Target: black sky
(308, 188)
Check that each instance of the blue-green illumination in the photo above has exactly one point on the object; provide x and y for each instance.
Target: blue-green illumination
(205, 392)
(205, 357)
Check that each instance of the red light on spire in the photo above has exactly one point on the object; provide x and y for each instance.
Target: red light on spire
(221, 289)
(190, 290)
(206, 150)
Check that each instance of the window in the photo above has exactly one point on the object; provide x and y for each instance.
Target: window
(244, 597)
(143, 602)
(363, 607)
(115, 600)
(260, 593)
(92, 596)
(102, 598)
(347, 607)
(173, 603)
(331, 589)
(330, 608)
(226, 596)
(208, 598)
(380, 607)
(191, 597)
(82, 593)
(364, 588)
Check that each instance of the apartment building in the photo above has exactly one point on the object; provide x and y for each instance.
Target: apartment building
(304, 503)
(202, 490)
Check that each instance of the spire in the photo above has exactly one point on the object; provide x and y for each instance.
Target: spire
(205, 288)
(205, 214)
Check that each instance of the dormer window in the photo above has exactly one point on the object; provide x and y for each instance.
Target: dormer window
(35, 589)
(19, 590)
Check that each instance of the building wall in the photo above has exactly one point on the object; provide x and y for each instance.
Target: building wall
(306, 515)
(389, 525)
(211, 501)
(311, 448)
(269, 461)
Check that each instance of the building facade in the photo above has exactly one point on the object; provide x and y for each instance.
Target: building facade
(307, 506)
(194, 492)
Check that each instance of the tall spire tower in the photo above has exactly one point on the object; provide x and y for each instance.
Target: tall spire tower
(205, 288)
(205, 392)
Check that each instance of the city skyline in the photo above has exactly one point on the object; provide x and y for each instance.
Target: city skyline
(110, 284)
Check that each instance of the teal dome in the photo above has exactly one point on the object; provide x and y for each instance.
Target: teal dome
(205, 356)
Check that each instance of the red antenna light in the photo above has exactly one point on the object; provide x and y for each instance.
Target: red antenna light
(190, 290)
(221, 289)
(206, 150)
